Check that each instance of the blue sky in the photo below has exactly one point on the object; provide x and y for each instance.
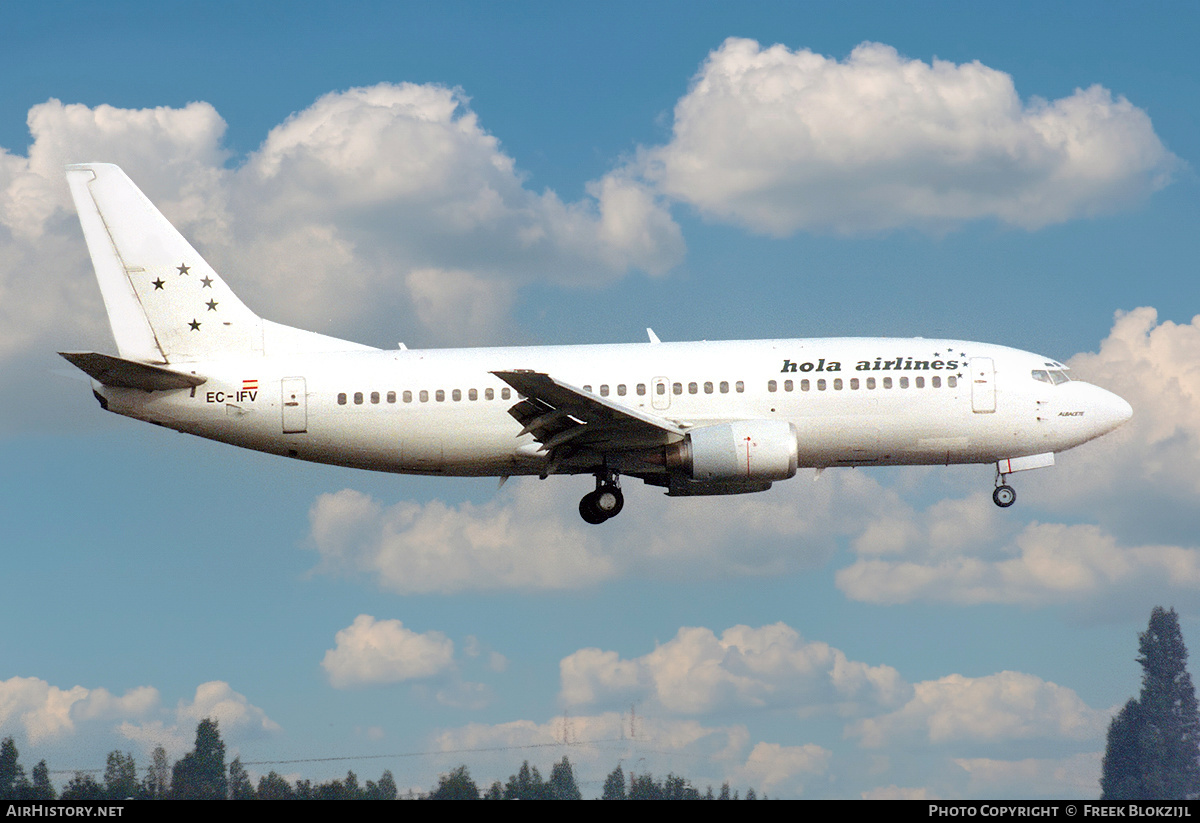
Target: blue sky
(539, 173)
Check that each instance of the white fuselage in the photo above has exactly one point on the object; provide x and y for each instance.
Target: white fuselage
(852, 401)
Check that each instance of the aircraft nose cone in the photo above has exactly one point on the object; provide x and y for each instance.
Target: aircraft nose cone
(1112, 410)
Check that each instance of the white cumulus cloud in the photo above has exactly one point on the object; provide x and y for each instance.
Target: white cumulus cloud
(530, 535)
(38, 711)
(1075, 776)
(772, 767)
(65, 722)
(1004, 706)
(698, 672)
(371, 651)
(779, 141)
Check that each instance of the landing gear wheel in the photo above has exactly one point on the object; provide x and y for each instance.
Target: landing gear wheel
(609, 500)
(589, 511)
(1004, 496)
(605, 502)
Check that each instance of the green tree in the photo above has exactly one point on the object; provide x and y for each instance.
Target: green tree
(42, 788)
(120, 776)
(385, 789)
(83, 787)
(562, 784)
(12, 777)
(200, 775)
(157, 783)
(273, 786)
(1153, 748)
(240, 787)
(614, 785)
(526, 784)
(457, 785)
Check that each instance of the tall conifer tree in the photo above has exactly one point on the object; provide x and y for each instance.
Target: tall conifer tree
(1154, 742)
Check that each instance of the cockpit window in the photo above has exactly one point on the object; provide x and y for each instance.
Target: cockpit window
(1051, 376)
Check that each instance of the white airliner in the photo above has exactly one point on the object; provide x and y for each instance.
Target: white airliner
(693, 418)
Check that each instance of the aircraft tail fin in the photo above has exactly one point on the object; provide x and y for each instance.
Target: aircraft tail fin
(164, 302)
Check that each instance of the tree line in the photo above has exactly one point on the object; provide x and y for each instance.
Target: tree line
(1153, 753)
(202, 774)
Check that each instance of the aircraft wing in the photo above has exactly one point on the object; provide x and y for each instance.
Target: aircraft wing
(560, 415)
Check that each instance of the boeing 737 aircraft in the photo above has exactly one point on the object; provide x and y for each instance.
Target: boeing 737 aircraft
(693, 418)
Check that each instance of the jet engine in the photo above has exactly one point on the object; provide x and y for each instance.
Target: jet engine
(742, 453)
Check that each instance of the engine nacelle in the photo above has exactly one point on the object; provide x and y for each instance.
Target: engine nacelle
(746, 450)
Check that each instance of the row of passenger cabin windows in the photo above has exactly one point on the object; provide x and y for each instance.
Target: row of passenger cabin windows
(422, 396)
(709, 387)
(676, 388)
(887, 382)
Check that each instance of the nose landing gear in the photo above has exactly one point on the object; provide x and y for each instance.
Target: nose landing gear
(1004, 494)
(605, 502)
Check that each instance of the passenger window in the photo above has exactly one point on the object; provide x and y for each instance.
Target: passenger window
(440, 395)
(693, 388)
(904, 382)
(407, 396)
(641, 389)
(837, 384)
(472, 394)
(870, 382)
(677, 388)
(374, 397)
(936, 381)
(489, 394)
(920, 382)
(854, 384)
(739, 387)
(604, 390)
(456, 395)
(952, 381)
(821, 384)
(887, 382)
(505, 394)
(787, 385)
(661, 388)
(620, 390)
(341, 398)
(587, 388)
(424, 396)
(358, 398)
(391, 397)
(805, 385)
(724, 387)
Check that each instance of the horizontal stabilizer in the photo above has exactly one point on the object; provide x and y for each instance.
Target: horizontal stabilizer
(129, 374)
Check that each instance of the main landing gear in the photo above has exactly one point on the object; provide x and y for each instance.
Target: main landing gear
(605, 502)
(1004, 494)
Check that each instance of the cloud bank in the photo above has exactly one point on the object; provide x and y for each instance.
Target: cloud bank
(779, 141)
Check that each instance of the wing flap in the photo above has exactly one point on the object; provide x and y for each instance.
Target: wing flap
(129, 374)
(558, 414)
